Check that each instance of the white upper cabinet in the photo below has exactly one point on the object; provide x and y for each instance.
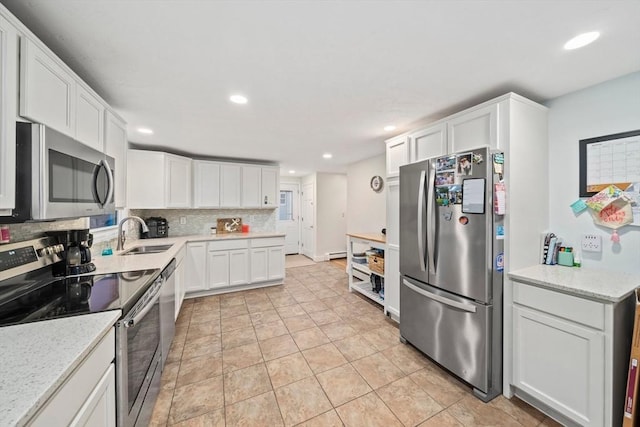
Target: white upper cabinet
(206, 184)
(115, 145)
(89, 118)
(429, 142)
(47, 90)
(270, 187)
(230, 185)
(9, 94)
(178, 181)
(473, 129)
(157, 180)
(251, 186)
(397, 154)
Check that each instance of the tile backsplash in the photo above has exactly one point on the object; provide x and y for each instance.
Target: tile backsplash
(200, 221)
(33, 230)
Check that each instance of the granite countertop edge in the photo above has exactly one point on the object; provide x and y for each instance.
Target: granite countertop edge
(601, 285)
(31, 373)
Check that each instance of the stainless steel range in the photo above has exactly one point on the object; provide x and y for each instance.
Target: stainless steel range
(30, 292)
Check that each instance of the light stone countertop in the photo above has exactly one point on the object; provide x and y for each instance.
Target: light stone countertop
(38, 357)
(601, 285)
(117, 263)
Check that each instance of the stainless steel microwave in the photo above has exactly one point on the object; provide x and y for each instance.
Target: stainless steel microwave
(58, 177)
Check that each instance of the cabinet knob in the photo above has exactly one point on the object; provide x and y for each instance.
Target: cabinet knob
(265, 200)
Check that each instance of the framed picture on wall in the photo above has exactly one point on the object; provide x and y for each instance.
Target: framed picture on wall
(609, 160)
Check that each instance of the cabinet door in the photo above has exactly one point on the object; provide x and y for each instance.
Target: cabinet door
(47, 90)
(560, 363)
(206, 184)
(178, 181)
(270, 188)
(276, 262)
(229, 186)
(116, 146)
(239, 267)
(89, 119)
(397, 155)
(259, 265)
(196, 267)
(218, 269)
(427, 143)
(99, 410)
(251, 188)
(474, 129)
(9, 93)
(145, 179)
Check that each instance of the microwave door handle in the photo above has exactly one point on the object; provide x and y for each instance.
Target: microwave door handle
(96, 192)
(421, 253)
(446, 301)
(111, 181)
(431, 223)
(131, 322)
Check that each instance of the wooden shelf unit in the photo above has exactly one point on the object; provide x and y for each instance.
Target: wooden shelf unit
(359, 273)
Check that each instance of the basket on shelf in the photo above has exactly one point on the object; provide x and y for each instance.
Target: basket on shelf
(376, 264)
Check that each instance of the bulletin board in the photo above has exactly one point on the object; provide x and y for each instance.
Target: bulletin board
(609, 160)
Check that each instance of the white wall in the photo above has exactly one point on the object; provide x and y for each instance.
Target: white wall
(607, 108)
(366, 209)
(331, 206)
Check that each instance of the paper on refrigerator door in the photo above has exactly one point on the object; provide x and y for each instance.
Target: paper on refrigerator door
(473, 192)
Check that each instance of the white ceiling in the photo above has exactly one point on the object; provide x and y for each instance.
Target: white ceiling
(323, 76)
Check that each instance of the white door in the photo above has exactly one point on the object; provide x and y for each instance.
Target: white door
(308, 220)
(289, 217)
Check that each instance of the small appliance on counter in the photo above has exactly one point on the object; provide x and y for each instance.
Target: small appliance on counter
(73, 247)
(158, 227)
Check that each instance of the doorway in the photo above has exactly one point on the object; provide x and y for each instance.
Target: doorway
(289, 217)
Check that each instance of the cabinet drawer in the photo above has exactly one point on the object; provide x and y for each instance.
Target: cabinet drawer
(267, 241)
(580, 310)
(223, 245)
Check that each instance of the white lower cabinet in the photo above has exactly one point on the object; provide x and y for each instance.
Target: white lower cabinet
(238, 267)
(88, 396)
(569, 355)
(196, 267)
(219, 265)
(267, 262)
(560, 363)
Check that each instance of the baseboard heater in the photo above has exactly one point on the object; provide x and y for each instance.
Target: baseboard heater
(339, 254)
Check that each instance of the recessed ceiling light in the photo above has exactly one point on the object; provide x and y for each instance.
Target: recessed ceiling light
(327, 155)
(389, 128)
(238, 99)
(292, 171)
(146, 131)
(581, 40)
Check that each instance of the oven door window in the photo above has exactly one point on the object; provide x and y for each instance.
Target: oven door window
(73, 180)
(143, 340)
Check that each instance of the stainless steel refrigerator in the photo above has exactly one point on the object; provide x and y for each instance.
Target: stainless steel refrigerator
(451, 262)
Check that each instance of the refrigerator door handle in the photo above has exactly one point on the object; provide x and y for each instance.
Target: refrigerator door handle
(455, 304)
(431, 229)
(421, 236)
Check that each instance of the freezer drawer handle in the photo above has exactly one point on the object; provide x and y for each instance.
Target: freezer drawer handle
(459, 305)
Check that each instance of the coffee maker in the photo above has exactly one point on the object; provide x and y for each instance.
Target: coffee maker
(76, 257)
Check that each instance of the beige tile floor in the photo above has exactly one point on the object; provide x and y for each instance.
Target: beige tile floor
(309, 353)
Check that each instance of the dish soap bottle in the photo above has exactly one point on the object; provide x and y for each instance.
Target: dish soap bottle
(576, 259)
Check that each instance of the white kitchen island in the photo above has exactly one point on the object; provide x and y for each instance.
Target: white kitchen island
(568, 341)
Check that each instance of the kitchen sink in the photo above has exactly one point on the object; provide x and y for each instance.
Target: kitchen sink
(151, 249)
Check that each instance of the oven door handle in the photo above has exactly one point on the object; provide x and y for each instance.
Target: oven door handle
(132, 321)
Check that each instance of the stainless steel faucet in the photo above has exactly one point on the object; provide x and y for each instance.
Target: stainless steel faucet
(121, 237)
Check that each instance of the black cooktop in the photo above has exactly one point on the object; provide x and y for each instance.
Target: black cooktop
(31, 298)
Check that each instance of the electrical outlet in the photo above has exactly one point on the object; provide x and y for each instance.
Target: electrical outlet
(183, 220)
(591, 243)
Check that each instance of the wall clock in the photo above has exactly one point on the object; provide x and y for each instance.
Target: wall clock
(377, 183)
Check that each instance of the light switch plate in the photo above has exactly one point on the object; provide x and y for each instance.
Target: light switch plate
(591, 243)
